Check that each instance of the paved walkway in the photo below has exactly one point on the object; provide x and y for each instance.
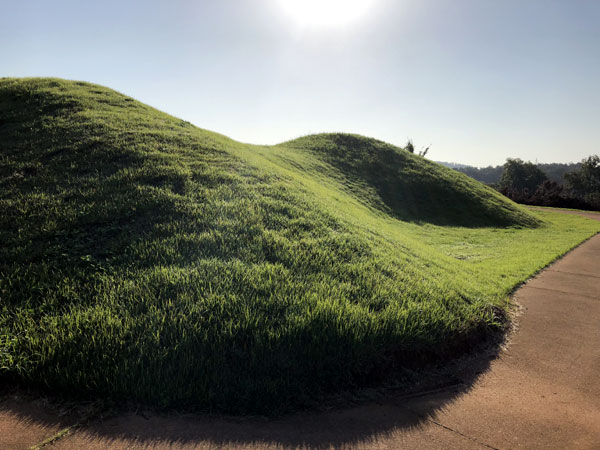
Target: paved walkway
(543, 392)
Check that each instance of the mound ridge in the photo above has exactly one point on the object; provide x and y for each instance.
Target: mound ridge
(146, 259)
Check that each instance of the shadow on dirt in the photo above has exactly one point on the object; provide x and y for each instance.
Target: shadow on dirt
(352, 421)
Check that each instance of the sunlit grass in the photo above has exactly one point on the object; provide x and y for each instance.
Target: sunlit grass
(144, 258)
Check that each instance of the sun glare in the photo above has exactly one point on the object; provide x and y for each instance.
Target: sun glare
(325, 13)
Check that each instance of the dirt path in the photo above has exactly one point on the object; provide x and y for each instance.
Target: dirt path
(543, 392)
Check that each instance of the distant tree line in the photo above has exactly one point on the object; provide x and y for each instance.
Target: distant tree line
(559, 185)
(491, 174)
(570, 185)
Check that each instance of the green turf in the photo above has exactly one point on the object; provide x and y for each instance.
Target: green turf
(146, 259)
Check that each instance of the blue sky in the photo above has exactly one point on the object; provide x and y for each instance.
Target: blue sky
(480, 80)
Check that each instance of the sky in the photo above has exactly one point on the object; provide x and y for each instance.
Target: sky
(478, 80)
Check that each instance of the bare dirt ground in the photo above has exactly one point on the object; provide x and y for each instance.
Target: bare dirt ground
(541, 392)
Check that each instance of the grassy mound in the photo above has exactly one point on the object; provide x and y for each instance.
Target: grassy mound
(410, 187)
(145, 258)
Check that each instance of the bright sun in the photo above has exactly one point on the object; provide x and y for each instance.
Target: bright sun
(325, 13)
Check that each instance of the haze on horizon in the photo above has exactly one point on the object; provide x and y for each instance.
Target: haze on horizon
(479, 80)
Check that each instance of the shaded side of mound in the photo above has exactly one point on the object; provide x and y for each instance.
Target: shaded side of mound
(410, 187)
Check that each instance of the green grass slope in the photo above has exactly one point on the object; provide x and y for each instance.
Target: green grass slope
(147, 259)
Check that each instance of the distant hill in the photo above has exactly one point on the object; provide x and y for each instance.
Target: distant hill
(452, 165)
